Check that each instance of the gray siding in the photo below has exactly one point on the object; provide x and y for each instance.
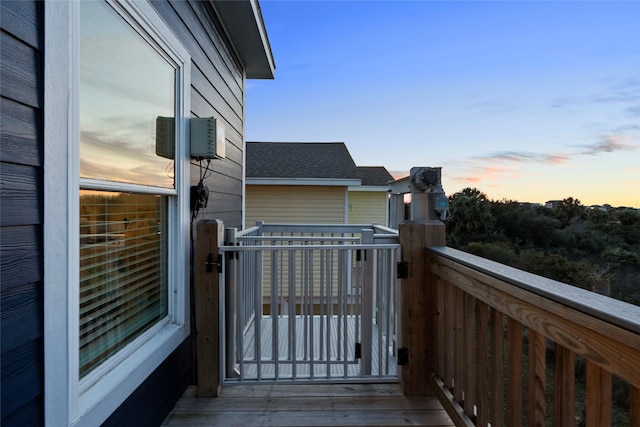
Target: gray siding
(216, 90)
(21, 263)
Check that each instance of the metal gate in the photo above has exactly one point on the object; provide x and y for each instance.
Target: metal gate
(310, 302)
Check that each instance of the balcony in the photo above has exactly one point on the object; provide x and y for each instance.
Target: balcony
(485, 344)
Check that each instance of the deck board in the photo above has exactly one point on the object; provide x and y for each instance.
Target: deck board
(308, 405)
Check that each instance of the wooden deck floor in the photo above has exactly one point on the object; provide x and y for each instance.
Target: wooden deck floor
(308, 405)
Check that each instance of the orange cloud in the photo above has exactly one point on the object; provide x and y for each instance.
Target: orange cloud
(490, 173)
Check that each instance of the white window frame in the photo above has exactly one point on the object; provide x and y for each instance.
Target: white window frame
(69, 399)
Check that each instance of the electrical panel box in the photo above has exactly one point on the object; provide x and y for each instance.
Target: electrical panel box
(165, 137)
(207, 138)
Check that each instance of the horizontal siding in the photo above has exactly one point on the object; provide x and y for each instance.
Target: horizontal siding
(217, 86)
(366, 207)
(22, 19)
(30, 414)
(217, 90)
(295, 204)
(292, 204)
(20, 133)
(22, 377)
(150, 403)
(20, 196)
(19, 66)
(21, 201)
(20, 256)
(21, 316)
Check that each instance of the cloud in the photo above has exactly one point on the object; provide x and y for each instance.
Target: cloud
(556, 159)
(523, 156)
(489, 173)
(609, 144)
(620, 92)
(505, 165)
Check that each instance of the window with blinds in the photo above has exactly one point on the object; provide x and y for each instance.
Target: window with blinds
(126, 82)
(123, 270)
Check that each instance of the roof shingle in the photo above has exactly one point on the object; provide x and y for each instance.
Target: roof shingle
(319, 160)
(377, 176)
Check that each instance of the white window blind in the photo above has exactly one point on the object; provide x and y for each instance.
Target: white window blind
(123, 270)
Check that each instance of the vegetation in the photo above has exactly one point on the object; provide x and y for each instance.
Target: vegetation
(591, 248)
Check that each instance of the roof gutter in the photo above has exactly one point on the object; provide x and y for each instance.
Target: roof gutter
(338, 182)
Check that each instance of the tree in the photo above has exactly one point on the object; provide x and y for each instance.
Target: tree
(525, 225)
(568, 210)
(471, 218)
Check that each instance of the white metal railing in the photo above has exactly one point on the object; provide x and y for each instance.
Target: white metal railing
(308, 302)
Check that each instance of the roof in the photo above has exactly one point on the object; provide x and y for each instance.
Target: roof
(300, 160)
(377, 176)
(245, 27)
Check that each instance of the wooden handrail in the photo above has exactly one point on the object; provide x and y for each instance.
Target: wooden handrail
(496, 325)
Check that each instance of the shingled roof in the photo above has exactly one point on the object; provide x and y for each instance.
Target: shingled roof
(377, 176)
(308, 160)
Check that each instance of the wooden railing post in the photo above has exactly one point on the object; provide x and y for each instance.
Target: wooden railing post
(417, 304)
(207, 307)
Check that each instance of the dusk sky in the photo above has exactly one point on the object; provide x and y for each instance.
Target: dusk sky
(524, 100)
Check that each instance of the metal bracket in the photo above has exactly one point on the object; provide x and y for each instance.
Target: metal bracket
(403, 356)
(210, 263)
(402, 270)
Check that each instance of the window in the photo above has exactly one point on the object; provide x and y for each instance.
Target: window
(125, 84)
(116, 203)
(123, 271)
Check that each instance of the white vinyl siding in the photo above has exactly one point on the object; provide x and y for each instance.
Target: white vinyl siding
(293, 204)
(366, 207)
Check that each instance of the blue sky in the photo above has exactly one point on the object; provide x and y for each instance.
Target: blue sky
(524, 100)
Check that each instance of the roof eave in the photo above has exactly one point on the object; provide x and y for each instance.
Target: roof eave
(245, 27)
(333, 182)
(370, 188)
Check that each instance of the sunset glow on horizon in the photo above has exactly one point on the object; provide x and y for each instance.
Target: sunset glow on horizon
(524, 100)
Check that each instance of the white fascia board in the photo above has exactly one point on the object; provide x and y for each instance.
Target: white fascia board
(371, 188)
(304, 181)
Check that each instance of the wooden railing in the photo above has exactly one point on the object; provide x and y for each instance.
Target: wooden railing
(509, 348)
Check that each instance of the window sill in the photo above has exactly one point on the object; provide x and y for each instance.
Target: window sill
(108, 392)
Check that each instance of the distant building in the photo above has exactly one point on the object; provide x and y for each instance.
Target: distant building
(552, 204)
(530, 204)
(368, 202)
(312, 183)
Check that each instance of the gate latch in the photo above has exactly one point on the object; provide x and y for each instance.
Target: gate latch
(403, 356)
(210, 263)
(402, 270)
